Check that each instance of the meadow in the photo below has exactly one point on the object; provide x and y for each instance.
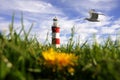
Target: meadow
(24, 58)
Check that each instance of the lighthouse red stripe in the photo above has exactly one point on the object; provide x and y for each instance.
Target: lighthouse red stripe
(55, 41)
(56, 29)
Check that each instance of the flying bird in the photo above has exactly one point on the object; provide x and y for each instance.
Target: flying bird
(93, 16)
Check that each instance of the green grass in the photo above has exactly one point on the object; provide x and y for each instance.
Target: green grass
(19, 58)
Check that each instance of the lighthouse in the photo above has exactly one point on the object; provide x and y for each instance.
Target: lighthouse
(55, 33)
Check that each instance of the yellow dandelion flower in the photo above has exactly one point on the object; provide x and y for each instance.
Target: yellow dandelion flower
(60, 60)
(63, 59)
(49, 58)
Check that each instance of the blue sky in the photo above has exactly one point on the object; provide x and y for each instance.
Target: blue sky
(69, 13)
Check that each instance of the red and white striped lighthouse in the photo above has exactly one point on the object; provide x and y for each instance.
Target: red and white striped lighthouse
(55, 34)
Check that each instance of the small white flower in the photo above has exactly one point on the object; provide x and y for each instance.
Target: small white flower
(9, 65)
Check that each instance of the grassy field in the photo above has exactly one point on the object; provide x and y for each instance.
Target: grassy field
(24, 58)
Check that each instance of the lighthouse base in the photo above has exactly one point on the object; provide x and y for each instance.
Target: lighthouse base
(56, 45)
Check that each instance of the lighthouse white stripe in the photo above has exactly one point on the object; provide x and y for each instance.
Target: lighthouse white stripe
(56, 35)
